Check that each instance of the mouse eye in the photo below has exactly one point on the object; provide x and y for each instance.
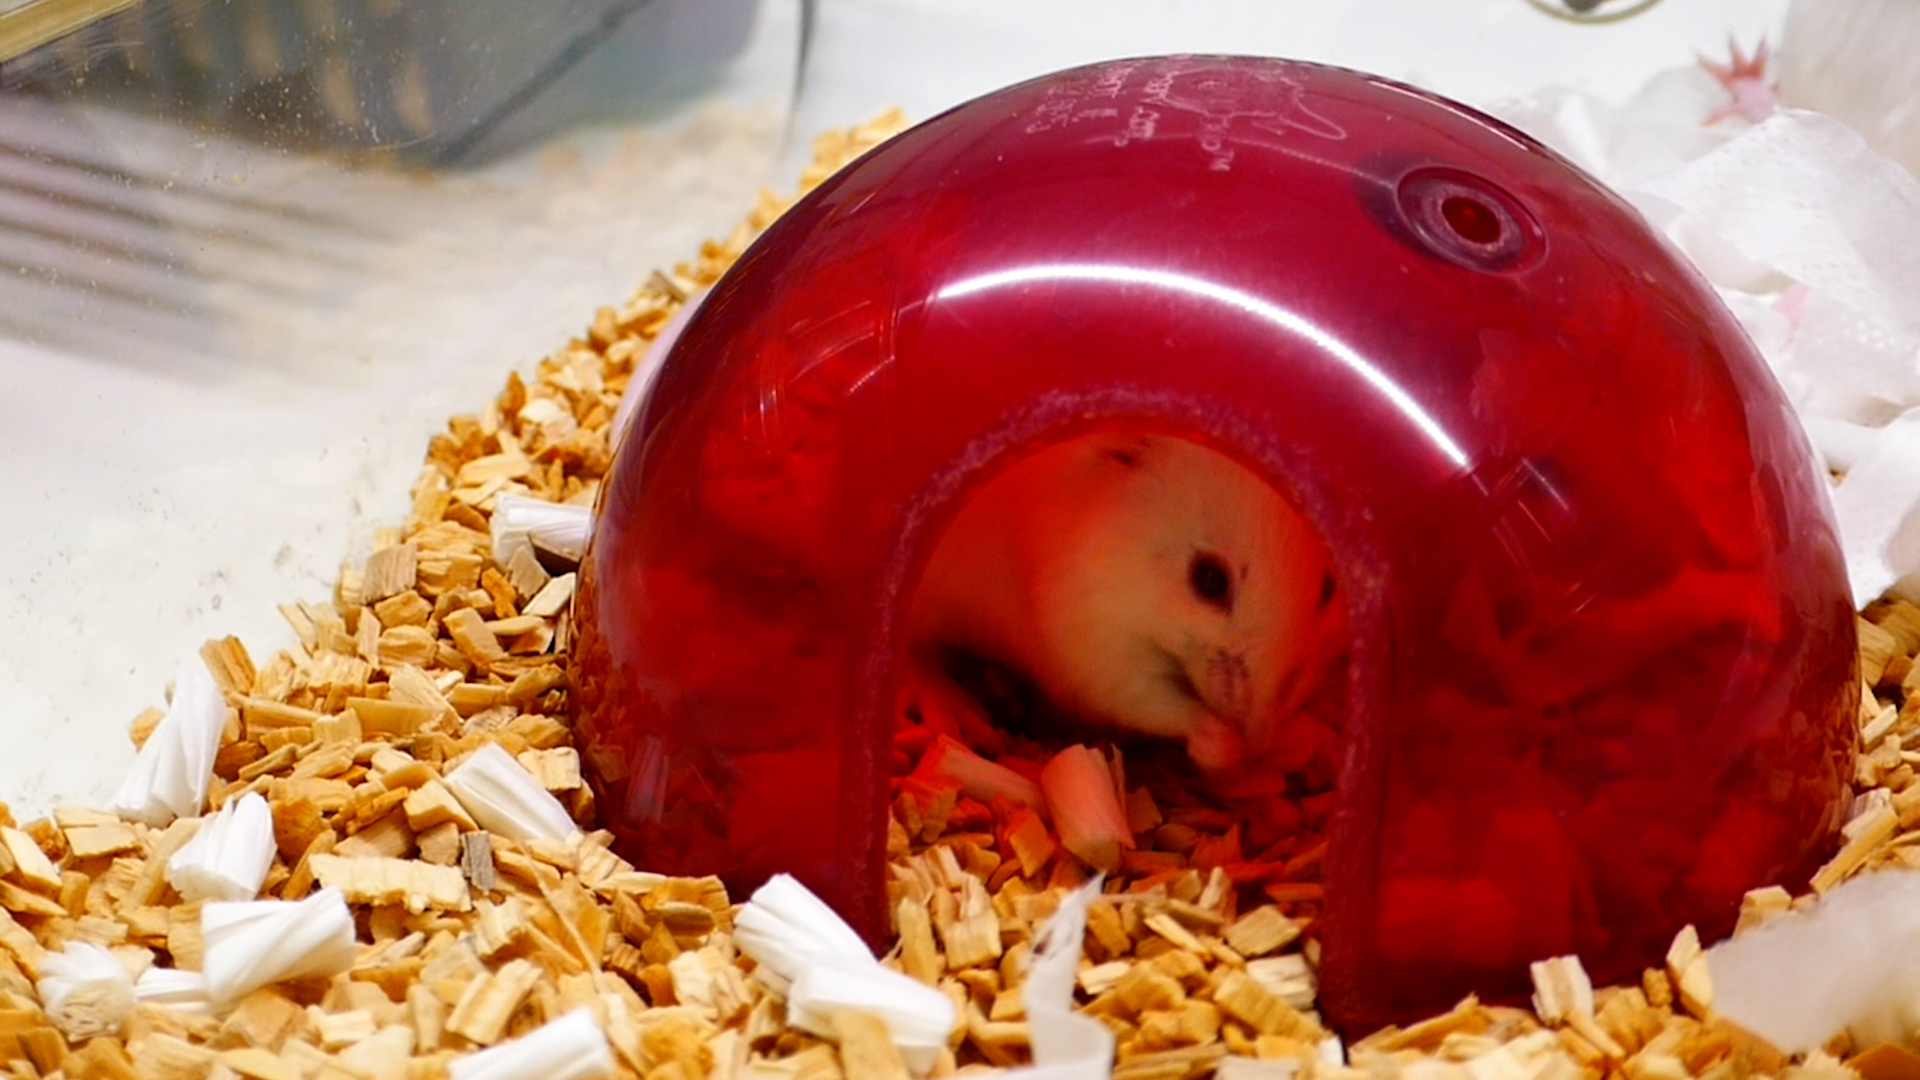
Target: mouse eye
(1210, 580)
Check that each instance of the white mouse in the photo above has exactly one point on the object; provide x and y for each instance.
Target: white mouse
(1140, 581)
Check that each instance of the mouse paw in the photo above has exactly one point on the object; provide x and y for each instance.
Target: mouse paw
(950, 709)
(1214, 744)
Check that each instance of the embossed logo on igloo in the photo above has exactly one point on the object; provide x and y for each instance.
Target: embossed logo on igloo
(1220, 103)
(1238, 104)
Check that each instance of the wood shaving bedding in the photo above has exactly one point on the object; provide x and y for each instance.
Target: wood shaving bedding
(468, 942)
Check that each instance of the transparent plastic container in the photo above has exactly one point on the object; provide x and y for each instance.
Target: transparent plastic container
(433, 83)
(1601, 679)
(233, 317)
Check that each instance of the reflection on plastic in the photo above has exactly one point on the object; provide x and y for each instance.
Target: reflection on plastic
(1602, 659)
(435, 82)
(1200, 288)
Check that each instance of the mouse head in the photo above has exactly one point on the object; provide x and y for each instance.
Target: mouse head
(1182, 589)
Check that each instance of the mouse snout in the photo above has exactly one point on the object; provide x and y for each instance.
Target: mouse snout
(1228, 689)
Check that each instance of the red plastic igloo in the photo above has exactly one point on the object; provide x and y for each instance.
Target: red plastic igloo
(1601, 672)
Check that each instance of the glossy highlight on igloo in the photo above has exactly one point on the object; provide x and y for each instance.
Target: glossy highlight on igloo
(1600, 674)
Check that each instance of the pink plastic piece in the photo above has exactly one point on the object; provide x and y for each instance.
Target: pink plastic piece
(1602, 662)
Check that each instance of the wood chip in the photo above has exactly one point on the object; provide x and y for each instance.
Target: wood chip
(493, 467)
(1687, 967)
(1877, 647)
(1561, 989)
(556, 770)
(1759, 905)
(866, 1047)
(1177, 935)
(471, 636)
(232, 669)
(431, 805)
(526, 575)
(476, 860)
(406, 608)
(389, 572)
(94, 841)
(1237, 995)
(417, 886)
(1869, 829)
(488, 1003)
(1261, 931)
(413, 645)
(260, 1064)
(552, 598)
(31, 867)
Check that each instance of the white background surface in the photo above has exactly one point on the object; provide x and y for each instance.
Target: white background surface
(230, 380)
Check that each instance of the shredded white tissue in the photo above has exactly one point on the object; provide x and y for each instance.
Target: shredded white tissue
(1853, 60)
(86, 991)
(1804, 197)
(504, 798)
(174, 767)
(1798, 980)
(258, 942)
(1876, 509)
(181, 991)
(810, 954)
(1660, 128)
(519, 521)
(229, 857)
(1803, 194)
(1813, 240)
(1066, 1045)
(918, 1017)
(785, 927)
(571, 1048)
